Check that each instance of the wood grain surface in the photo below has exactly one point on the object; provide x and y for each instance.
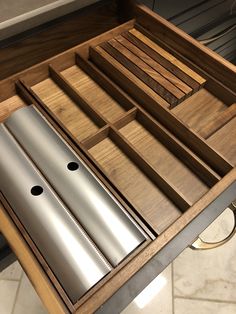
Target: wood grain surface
(224, 140)
(205, 113)
(69, 113)
(164, 161)
(95, 95)
(162, 56)
(10, 105)
(144, 72)
(155, 65)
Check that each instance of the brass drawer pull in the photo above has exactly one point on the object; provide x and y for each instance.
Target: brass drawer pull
(199, 244)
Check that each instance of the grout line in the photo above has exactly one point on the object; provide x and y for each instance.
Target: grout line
(205, 299)
(17, 293)
(6, 279)
(173, 296)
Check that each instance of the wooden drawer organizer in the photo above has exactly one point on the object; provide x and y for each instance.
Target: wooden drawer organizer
(158, 129)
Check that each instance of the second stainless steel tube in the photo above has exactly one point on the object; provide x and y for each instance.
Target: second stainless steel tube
(105, 220)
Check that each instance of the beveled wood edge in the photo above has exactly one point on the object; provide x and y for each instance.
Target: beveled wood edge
(30, 265)
(203, 52)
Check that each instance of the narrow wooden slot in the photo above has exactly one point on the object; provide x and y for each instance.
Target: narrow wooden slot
(72, 92)
(158, 110)
(144, 72)
(69, 113)
(101, 79)
(124, 40)
(224, 140)
(94, 94)
(202, 112)
(177, 148)
(126, 79)
(143, 194)
(160, 180)
(163, 161)
(166, 59)
(8, 106)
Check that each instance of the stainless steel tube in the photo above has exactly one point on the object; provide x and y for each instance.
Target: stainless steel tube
(69, 252)
(105, 220)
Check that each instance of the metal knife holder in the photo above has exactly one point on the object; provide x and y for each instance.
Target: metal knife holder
(78, 226)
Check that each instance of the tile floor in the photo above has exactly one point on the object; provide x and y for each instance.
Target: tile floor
(196, 283)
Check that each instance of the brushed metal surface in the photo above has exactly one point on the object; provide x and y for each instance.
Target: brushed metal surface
(108, 224)
(69, 252)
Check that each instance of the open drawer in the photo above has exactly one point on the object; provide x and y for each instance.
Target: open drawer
(152, 113)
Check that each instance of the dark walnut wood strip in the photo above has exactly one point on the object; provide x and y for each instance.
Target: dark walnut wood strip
(144, 72)
(167, 60)
(218, 122)
(155, 75)
(155, 65)
(120, 74)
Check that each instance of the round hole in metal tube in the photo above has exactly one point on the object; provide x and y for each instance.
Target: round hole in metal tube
(72, 166)
(36, 190)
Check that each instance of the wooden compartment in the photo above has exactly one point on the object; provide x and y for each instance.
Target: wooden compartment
(154, 123)
(144, 195)
(94, 94)
(139, 134)
(205, 113)
(80, 122)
